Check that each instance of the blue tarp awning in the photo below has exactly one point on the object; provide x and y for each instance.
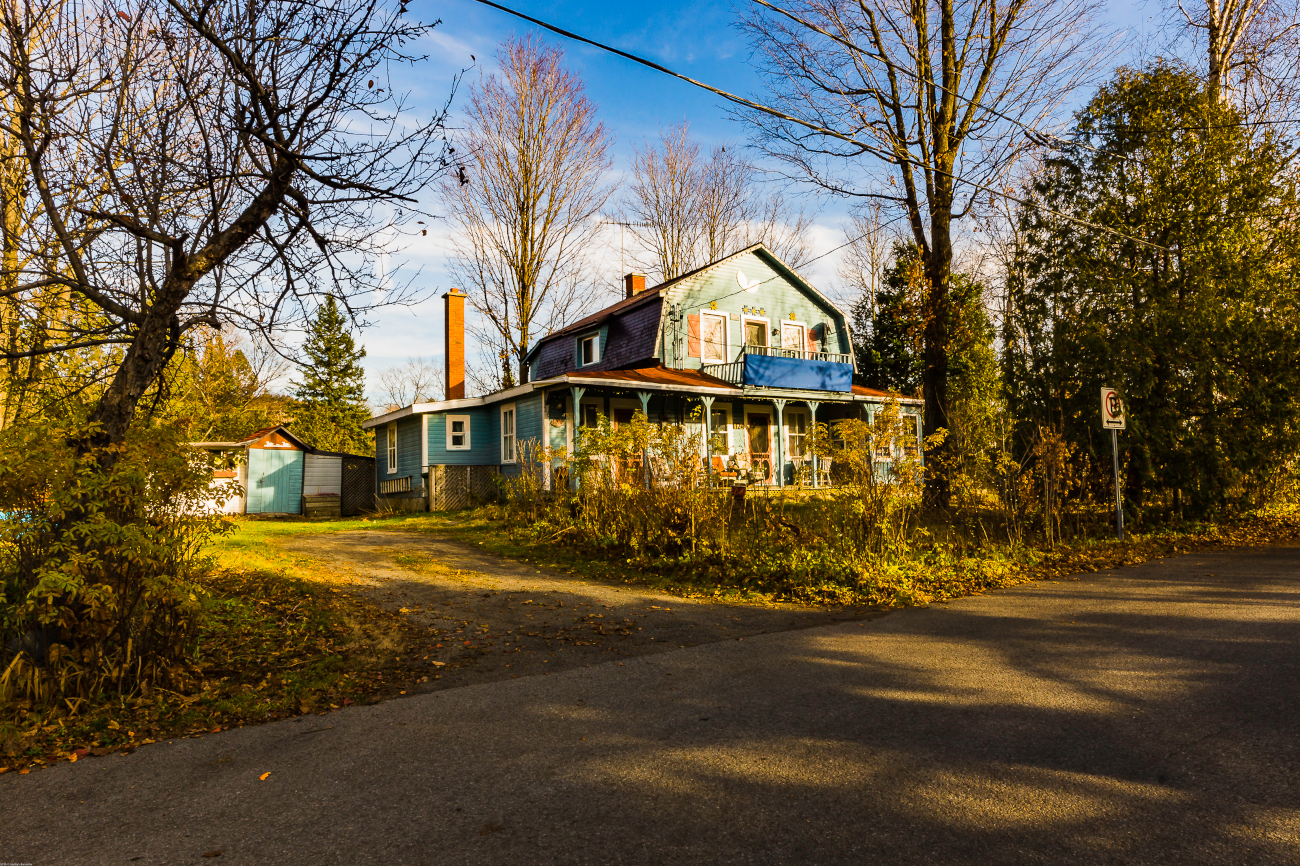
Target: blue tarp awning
(772, 371)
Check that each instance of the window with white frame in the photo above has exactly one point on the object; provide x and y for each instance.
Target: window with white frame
(458, 433)
(392, 448)
(796, 423)
(794, 343)
(911, 435)
(720, 435)
(508, 433)
(756, 332)
(588, 350)
(713, 338)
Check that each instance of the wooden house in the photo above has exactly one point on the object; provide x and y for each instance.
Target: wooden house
(744, 343)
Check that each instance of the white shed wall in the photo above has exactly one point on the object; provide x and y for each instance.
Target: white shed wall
(322, 475)
(221, 486)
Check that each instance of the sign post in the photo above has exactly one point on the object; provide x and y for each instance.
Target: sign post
(1112, 419)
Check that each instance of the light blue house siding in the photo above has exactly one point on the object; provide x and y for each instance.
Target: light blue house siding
(408, 452)
(480, 439)
(776, 300)
(484, 432)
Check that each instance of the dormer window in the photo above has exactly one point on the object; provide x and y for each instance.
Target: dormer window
(588, 350)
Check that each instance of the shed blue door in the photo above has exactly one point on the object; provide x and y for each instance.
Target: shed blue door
(274, 481)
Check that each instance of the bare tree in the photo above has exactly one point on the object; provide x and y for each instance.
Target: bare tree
(525, 203)
(416, 381)
(923, 106)
(199, 164)
(687, 211)
(663, 203)
(862, 266)
(1251, 52)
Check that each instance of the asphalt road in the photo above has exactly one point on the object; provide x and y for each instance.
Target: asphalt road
(1147, 715)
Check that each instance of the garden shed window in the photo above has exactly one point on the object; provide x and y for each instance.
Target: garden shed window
(457, 432)
(508, 434)
(392, 449)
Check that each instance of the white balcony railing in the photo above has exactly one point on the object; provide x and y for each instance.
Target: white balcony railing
(734, 372)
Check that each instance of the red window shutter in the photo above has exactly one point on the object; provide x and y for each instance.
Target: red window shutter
(812, 341)
(693, 336)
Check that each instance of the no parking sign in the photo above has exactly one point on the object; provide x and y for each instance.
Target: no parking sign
(1112, 410)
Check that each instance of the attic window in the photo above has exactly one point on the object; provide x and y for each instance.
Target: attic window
(588, 350)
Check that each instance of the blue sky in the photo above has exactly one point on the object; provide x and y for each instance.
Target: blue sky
(698, 39)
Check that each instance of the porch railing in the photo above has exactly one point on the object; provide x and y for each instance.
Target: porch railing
(732, 373)
(802, 354)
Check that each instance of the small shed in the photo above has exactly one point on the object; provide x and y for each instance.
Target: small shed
(281, 474)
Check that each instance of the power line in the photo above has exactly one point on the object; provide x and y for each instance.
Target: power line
(821, 130)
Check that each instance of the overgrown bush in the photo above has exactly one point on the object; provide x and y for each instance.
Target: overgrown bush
(643, 495)
(99, 551)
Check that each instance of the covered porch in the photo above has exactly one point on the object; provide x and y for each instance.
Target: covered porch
(757, 436)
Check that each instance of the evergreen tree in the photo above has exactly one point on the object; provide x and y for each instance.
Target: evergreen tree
(329, 403)
(888, 333)
(1190, 306)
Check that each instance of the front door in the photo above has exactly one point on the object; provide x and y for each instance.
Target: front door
(759, 427)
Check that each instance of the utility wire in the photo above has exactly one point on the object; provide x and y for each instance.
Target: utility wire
(821, 130)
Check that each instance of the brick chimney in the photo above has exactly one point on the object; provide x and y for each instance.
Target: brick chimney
(633, 284)
(454, 329)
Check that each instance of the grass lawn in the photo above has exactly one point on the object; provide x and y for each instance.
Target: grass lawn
(284, 636)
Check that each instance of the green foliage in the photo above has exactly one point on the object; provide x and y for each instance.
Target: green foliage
(1193, 314)
(889, 328)
(214, 393)
(643, 497)
(329, 403)
(888, 344)
(99, 552)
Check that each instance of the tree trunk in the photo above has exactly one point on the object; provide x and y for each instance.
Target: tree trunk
(938, 272)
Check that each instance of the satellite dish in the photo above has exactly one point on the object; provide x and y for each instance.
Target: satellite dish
(745, 282)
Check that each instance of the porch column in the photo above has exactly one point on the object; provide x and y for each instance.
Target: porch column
(780, 442)
(645, 452)
(545, 444)
(577, 431)
(708, 431)
(812, 407)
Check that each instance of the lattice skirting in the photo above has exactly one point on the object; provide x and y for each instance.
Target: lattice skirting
(452, 487)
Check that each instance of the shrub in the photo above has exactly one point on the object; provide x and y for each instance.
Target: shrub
(99, 551)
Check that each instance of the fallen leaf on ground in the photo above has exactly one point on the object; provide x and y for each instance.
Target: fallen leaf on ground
(263, 777)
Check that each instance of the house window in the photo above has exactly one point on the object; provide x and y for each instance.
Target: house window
(392, 448)
(720, 434)
(796, 422)
(457, 432)
(713, 338)
(589, 350)
(793, 342)
(590, 416)
(756, 332)
(508, 434)
(911, 435)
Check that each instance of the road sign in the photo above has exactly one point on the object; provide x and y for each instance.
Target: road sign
(1112, 410)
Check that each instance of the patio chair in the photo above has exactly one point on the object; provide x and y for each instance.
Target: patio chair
(723, 476)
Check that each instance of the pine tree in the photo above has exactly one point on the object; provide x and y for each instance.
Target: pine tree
(329, 402)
